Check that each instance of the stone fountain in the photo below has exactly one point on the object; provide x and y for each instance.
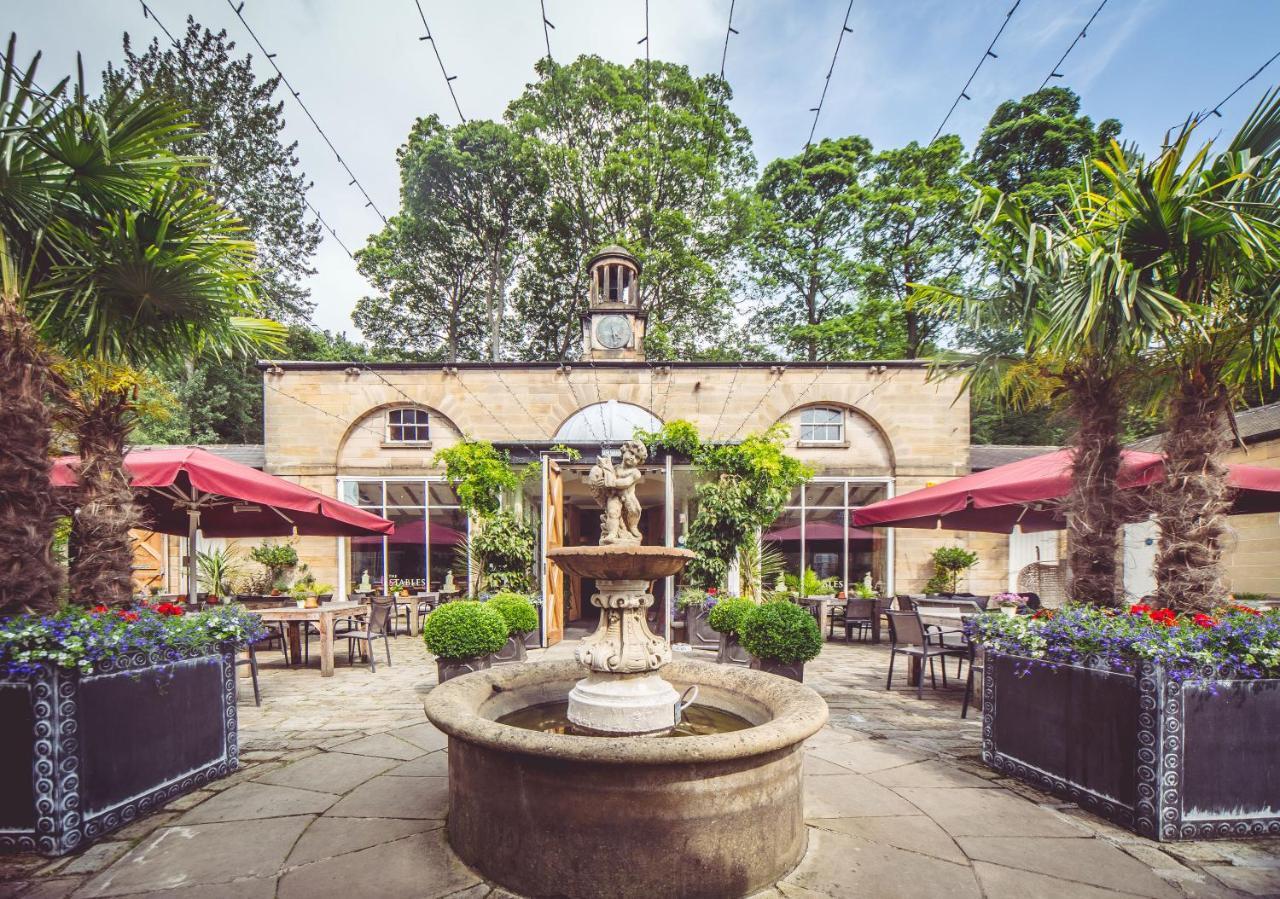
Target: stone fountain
(607, 802)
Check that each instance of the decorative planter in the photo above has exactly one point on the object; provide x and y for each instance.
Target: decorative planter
(732, 653)
(82, 755)
(698, 628)
(449, 668)
(514, 651)
(533, 639)
(1171, 760)
(793, 670)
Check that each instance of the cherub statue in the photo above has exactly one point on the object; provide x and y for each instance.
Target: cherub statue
(615, 491)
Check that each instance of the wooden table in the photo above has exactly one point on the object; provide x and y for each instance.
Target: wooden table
(323, 616)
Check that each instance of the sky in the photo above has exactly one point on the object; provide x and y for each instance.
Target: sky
(366, 76)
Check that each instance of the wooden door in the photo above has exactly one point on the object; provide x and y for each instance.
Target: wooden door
(553, 529)
(148, 560)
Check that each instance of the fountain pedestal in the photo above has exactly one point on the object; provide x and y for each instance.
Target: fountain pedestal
(623, 694)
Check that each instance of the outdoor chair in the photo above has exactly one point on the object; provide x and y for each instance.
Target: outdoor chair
(977, 664)
(859, 614)
(252, 662)
(909, 637)
(426, 604)
(376, 625)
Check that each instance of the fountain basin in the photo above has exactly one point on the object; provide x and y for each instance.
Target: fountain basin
(621, 562)
(548, 814)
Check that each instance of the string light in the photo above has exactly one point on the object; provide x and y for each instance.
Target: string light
(728, 396)
(448, 79)
(817, 110)
(989, 54)
(1217, 109)
(297, 95)
(1054, 73)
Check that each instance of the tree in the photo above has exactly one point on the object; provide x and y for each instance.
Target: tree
(250, 168)
(1085, 317)
(1205, 230)
(802, 255)
(1032, 148)
(430, 303)
(914, 230)
(645, 156)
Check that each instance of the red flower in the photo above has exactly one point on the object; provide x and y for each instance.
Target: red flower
(168, 608)
(712, 591)
(127, 616)
(1203, 620)
(99, 609)
(1167, 617)
(1042, 613)
(1246, 610)
(1139, 609)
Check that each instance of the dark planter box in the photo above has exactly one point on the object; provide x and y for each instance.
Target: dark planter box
(698, 628)
(514, 651)
(1171, 760)
(793, 670)
(450, 668)
(731, 651)
(82, 755)
(533, 639)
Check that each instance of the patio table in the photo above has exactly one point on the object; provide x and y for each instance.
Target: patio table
(323, 616)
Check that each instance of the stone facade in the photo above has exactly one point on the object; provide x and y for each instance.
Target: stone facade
(326, 420)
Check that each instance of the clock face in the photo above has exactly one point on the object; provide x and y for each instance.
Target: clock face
(613, 331)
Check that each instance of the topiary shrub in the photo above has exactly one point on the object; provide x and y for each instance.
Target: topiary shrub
(517, 610)
(728, 615)
(781, 631)
(464, 629)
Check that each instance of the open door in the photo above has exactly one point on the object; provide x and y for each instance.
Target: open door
(552, 536)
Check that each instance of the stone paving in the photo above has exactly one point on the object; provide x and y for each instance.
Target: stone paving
(342, 792)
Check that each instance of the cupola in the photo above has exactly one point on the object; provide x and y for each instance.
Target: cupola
(613, 326)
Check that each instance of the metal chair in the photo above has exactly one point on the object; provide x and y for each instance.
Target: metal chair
(252, 662)
(977, 663)
(907, 636)
(376, 625)
(860, 614)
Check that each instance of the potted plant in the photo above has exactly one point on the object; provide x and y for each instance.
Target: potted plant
(1164, 723)
(781, 637)
(58, 795)
(463, 636)
(1008, 603)
(726, 619)
(697, 605)
(521, 618)
(949, 564)
(217, 568)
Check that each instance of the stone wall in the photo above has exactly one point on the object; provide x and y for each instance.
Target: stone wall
(1251, 561)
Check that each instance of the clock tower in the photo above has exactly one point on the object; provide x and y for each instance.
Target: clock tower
(613, 325)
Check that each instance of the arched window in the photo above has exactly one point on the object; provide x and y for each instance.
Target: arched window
(408, 424)
(611, 422)
(822, 425)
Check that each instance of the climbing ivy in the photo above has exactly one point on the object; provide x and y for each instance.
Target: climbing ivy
(744, 488)
(479, 473)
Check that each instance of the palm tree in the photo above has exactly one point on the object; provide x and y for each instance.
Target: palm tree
(1206, 229)
(1085, 318)
(126, 261)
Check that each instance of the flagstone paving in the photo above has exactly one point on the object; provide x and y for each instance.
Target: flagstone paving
(343, 792)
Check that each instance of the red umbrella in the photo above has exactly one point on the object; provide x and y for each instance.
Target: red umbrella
(186, 488)
(1023, 493)
(817, 530)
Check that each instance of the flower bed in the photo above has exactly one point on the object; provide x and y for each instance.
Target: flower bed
(109, 715)
(1163, 723)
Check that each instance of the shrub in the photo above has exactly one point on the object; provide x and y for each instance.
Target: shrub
(464, 629)
(949, 562)
(517, 610)
(781, 631)
(696, 596)
(728, 614)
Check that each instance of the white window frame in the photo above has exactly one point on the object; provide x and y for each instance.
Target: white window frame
(838, 424)
(803, 508)
(416, 425)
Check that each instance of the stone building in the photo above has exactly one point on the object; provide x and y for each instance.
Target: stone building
(369, 434)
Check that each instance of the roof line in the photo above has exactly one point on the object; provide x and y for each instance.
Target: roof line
(310, 365)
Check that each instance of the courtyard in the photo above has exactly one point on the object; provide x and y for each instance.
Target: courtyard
(342, 790)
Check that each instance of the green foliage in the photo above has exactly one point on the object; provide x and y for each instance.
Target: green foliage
(949, 563)
(517, 610)
(728, 615)
(464, 629)
(746, 486)
(693, 596)
(811, 585)
(217, 567)
(501, 549)
(479, 473)
(251, 168)
(759, 567)
(863, 591)
(275, 557)
(1034, 148)
(677, 437)
(782, 631)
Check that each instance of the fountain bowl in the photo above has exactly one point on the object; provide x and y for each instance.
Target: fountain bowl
(620, 562)
(547, 814)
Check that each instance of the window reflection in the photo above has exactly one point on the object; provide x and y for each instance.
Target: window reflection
(814, 533)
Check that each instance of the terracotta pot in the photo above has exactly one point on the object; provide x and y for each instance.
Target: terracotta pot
(313, 602)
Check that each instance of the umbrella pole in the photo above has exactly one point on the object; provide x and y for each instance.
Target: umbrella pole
(193, 525)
